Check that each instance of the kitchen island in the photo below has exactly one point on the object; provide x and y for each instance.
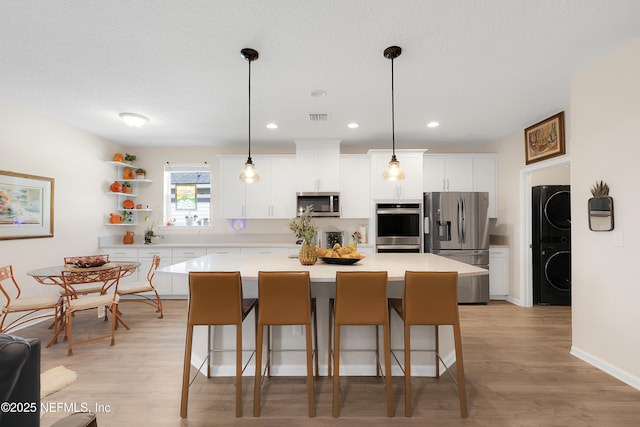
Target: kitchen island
(322, 287)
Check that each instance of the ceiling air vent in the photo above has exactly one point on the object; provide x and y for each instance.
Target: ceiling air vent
(318, 117)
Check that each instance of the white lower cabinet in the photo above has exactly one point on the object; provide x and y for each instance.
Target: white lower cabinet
(122, 255)
(499, 273)
(180, 285)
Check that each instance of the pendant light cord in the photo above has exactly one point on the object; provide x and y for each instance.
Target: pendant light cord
(393, 115)
(250, 110)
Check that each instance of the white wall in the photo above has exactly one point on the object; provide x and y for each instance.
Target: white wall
(606, 290)
(36, 145)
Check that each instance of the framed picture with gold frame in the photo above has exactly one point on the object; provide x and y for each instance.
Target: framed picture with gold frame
(545, 139)
(26, 206)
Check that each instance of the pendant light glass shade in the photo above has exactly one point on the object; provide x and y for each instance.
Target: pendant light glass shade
(249, 173)
(393, 171)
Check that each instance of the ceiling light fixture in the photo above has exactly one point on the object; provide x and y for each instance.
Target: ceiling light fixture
(433, 124)
(353, 125)
(249, 173)
(272, 126)
(134, 120)
(393, 171)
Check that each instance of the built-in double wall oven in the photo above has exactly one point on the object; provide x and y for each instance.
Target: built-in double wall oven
(398, 227)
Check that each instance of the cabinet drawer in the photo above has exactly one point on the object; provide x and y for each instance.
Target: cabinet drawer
(150, 252)
(223, 250)
(121, 254)
(189, 252)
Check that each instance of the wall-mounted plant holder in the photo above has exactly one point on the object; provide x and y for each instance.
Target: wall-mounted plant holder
(600, 208)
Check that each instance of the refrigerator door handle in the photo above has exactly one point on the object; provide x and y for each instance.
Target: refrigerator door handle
(464, 220)
(459, 222)
(426, 225)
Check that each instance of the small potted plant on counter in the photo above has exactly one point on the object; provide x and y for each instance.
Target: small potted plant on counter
(140, 173)
(150, 235)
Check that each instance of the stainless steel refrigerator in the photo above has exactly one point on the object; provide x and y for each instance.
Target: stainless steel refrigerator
(456, 226)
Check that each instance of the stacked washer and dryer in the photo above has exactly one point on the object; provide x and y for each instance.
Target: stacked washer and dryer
(551, 244)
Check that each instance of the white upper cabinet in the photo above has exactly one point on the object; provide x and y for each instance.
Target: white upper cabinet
(411, 162)
(485, 170)
(232, 190)
(354, 186)
(444, 173)
(462, 172)
(273, 196)
(318, 165)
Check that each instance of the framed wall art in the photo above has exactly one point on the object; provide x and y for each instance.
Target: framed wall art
(26, 206)
(545, 139)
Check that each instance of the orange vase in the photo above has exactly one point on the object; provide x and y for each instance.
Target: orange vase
(128, 238)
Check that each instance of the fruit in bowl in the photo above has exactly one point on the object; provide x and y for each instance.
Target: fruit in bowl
(89, 261)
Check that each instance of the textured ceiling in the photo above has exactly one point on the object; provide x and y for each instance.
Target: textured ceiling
(483, 69)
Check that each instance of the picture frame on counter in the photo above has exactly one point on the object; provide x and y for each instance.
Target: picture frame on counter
(545, 139)
(26, 206)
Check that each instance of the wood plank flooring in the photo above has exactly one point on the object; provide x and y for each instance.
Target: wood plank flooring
(518, 368)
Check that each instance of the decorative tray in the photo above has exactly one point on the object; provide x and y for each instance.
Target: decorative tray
(341, 261)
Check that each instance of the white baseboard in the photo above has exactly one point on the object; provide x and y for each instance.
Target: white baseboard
(607, 367)
(514, 301)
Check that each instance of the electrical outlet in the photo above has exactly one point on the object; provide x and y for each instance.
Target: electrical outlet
(618, 238)
(297, 330)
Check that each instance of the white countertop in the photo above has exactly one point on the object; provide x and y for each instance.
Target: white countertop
(394, 263)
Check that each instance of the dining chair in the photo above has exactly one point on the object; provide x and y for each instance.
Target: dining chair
(74, 302)
(285, 299)
(215, 298)
(431, 298)
(361, 299)
(85, 288)
(139, 291)
(25, 306)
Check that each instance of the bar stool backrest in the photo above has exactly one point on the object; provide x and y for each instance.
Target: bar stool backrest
(285, 297)
(361, 298)
(215, 298)
(430, 298)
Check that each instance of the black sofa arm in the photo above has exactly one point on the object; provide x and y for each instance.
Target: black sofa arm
(19, 381)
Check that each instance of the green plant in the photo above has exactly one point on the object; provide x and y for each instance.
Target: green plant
(126, 184)
(140, 170)
(303, 225)
(129, 157)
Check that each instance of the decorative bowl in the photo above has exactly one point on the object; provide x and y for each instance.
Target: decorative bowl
(340, 261)
(88, 262)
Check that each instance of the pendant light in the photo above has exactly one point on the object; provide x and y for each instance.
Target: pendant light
(249, 173)
(393, 171)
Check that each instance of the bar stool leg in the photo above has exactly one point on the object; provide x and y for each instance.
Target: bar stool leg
(462, 388)
(310, 383)
(329, 330)
(437, 336)
(238, 369)
(336, 371)
(186, 372)
(258, 382)
(315, 338)
(407, 369)
(387, 368)
(378, 373)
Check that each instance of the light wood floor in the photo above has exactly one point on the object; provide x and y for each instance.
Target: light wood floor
(518, 368)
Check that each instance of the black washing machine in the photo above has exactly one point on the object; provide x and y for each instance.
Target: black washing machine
(551, 244)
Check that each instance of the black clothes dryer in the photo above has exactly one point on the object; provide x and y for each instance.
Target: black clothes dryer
(551, 244)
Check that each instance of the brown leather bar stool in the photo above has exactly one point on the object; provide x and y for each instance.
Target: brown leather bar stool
(285, 299)
(431, 298)
(361, 299)
(215, 298)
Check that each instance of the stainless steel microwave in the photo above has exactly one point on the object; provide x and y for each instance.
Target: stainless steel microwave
(324, 204)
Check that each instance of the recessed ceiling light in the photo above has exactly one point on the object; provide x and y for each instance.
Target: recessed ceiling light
(318, 93)
(272, 126)
(353, 125)
(132, 119)
(433, 124)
